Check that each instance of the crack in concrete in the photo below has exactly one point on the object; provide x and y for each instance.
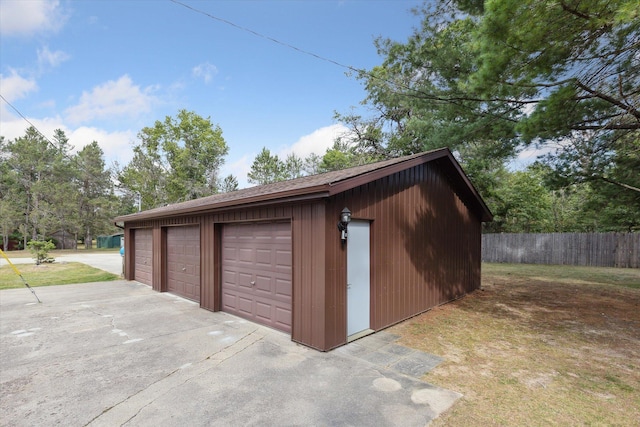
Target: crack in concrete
(203, 360)
(210, 357)
(111, 316)
(232, 344)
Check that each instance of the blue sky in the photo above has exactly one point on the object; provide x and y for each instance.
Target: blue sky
(103, 70)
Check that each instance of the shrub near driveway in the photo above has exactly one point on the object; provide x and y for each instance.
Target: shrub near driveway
(538, 348)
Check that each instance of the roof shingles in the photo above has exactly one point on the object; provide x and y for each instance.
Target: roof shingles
(319, 185)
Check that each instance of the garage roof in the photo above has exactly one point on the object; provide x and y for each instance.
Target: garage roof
(324, 185)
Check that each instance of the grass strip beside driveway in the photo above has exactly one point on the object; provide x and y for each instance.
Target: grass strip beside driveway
(52, 274)
(538, 346)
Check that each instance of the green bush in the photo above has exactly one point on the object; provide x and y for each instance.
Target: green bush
(40, 250)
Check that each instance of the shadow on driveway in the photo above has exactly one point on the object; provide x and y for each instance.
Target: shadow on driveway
(119, 353)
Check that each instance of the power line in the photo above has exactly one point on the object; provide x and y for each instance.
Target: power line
(27, 120)
(413, 92)
(274, 40)
(80, 165)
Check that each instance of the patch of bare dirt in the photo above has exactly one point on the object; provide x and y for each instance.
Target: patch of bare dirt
(535, 352)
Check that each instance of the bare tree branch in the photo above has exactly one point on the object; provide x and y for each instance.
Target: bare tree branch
(634, 112)
(620, 184)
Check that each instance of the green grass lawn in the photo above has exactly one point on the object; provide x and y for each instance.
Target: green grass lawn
(628, 277)
(52, 274)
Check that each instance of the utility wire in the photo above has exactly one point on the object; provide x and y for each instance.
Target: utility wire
(80, 165)
(257, 34)
(413, 92)
(417, 93)
(27, 120)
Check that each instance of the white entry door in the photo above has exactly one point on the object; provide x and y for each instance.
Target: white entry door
(358, 277)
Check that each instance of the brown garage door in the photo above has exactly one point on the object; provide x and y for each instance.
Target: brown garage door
(256, 272)
(183, 261)
(143, 250)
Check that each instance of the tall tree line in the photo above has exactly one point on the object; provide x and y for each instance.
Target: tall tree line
(45, 189)
(489, 79)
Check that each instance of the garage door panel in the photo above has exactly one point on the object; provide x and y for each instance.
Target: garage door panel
(192, 269)
(183, 261)
(143, 255)
(283, 316)
(264, 313)
(229, 301)
(246, 255)
(244, 280)
(258, 253)
(228, 278)
(264, 258)
(245, 305)
(192, 250)
(263, 284)
(265, 297)
(283, 258)
(229, 253)
(283, 288)
(270, 287)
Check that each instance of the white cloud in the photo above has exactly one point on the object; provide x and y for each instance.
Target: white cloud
(316, 142)
(25, 18)
(14, 86)
(115, 98)
(205, 71)
(240, 168)
(117, 146)
(47, 58)
(16, 126)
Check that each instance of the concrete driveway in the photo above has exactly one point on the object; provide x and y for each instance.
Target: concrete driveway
(107, 261)
(118, 353)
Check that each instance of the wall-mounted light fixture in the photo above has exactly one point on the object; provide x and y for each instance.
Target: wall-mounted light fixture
(345, 218)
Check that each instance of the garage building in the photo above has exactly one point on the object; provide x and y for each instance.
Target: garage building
(326, 258)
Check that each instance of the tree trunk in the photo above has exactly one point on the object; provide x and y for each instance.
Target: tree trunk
(34, 232)
(5, 242)
(88, 240)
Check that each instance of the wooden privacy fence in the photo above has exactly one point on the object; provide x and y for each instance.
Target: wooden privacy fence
(589, 249)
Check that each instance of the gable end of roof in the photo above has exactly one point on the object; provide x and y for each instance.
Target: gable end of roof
(322, 186)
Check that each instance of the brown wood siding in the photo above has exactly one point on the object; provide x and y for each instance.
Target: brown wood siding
(308, 270)
(425, 246)
(129, 252)
(310, 325)
(310, 301)
(209, 264)
(157, 256)
(425, 250)
(336, 280)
